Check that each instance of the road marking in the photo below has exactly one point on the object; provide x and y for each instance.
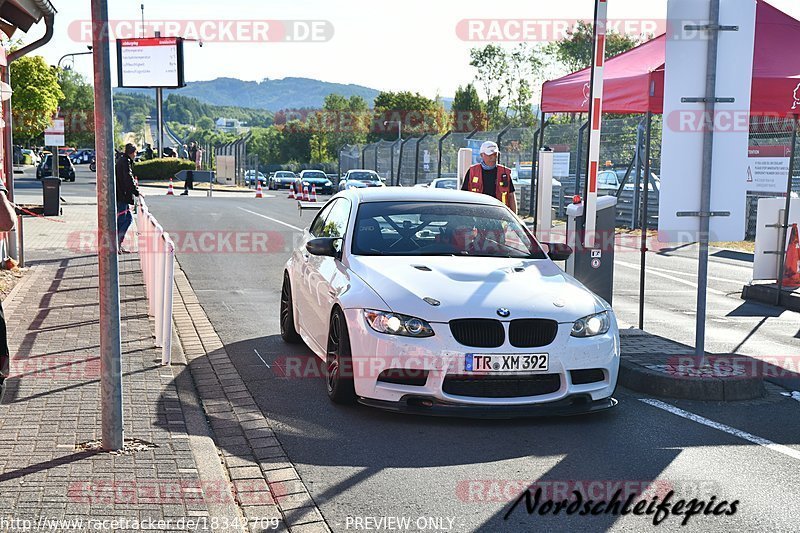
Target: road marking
(669, 271)
(259, 356)
(672, 278)
(780, 448)
(272, 219)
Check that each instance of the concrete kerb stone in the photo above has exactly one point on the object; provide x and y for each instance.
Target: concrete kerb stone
(635, 375)
(237, 421)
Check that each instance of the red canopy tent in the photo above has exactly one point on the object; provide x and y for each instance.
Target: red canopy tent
(634, 80)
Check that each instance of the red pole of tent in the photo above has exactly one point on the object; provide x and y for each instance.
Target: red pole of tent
(595, 122)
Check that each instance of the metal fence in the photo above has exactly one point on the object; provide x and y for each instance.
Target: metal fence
(421, 159)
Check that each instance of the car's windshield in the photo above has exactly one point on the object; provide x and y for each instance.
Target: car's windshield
(314, 175)
(447, 184)
(363, 176)
(284, 175)
(428, 228)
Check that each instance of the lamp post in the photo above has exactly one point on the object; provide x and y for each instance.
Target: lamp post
(73, 56)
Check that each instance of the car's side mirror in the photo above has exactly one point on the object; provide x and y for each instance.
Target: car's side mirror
(558, 251)
(323, 246)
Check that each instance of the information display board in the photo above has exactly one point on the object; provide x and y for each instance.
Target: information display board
(150, 63)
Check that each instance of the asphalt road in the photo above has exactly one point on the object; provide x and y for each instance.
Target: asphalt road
(360, 462)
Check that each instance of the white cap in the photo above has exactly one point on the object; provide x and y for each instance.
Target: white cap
(489, 148)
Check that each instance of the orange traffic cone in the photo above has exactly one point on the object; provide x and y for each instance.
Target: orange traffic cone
(170, 191)
(305, 193)
(291, 191)
(259, 192)
(313, 193)
(791, 268)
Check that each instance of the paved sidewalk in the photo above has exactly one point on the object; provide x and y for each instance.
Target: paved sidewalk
(52, 405)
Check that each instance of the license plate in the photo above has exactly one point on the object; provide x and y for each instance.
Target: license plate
(506, 362)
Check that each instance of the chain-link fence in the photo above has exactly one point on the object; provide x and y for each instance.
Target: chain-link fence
(418, 160)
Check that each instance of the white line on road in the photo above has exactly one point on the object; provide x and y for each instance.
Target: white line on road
(780, 448)
(259, 356)
(669, 271)
(672, 278)
(272, 219)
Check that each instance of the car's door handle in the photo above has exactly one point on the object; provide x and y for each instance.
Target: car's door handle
(306, 257)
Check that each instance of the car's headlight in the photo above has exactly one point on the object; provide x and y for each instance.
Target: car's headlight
(328, 183)
(592, 325)
(396, 324)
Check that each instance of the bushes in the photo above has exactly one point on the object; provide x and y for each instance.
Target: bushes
(161, 169)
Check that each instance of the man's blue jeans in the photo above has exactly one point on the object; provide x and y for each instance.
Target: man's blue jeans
(124, 220)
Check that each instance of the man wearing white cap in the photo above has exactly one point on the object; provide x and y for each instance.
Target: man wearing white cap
(488, 177)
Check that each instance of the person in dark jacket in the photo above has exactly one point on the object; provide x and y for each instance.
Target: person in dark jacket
(126, 190)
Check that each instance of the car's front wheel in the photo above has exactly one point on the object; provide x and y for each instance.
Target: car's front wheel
(288, 331)
(339, 362)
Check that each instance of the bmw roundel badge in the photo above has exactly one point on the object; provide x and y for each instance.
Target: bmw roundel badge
(503, 312)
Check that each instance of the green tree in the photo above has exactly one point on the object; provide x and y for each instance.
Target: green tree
(418, 114)
(345, 120)
(492, 70)
(575, 51)
(205, 123)
(469, 111)
(36, 96)
(77, 108)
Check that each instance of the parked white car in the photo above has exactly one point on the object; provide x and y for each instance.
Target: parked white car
(442, 302)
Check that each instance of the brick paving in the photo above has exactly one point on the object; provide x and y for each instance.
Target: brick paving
(52, 403)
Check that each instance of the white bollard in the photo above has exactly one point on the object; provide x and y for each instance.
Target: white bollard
(169, 274)
(158, 303)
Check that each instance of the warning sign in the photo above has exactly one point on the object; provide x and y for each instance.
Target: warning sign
(768, 168)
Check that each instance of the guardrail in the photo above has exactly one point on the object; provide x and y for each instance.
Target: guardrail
(157, 259)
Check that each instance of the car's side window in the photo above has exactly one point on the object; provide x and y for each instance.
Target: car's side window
(336, 223)
(318, 225)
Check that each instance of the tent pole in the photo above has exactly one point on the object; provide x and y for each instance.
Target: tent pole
(785, 226)
(637, 177)
(644, 225)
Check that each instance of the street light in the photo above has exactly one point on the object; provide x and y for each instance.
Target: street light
(73, 56)
(399, 127)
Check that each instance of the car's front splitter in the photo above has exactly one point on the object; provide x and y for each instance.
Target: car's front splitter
(576, 404)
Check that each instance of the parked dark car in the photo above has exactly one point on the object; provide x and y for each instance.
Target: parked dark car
(81, 156)
(282, 179)
(66, 170)
(315, 178)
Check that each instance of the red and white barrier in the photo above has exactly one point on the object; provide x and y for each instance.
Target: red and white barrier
(313, 193)
(595, 119)
(157, 259)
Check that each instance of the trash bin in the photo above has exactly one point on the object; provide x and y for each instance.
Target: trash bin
(51, 191)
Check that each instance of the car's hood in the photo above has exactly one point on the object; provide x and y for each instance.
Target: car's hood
(476, 287)
(363, 184)
(316, 180)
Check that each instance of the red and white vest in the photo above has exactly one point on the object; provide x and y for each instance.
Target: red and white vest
(502, 184)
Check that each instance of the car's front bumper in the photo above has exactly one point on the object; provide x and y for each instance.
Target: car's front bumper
(441, 358)
(420, 405)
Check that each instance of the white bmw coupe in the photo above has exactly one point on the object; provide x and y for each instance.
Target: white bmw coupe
(442, 302)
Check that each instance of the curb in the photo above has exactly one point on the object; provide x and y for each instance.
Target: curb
(641, 379)
(765, 294)
(635, 376)
(264, 478)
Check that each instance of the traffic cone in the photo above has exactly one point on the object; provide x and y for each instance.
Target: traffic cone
(313, 193)
(259, 192)
(791, 268)
(291, 191)
(305, 193)
(170, 191)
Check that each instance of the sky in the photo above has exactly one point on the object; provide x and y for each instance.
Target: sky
(412, 45)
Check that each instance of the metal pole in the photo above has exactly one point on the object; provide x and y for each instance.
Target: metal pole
(705, 187)
(499, 140)
(534, 180)
(400, 160)
(9, 160)
(441, 141)
(637, 180)
(785, 226)
(643, 248)
(110, 344)
(579, 153)
(159, 117)
(416, 158)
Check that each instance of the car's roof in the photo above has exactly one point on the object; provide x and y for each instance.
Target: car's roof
(417, 194)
